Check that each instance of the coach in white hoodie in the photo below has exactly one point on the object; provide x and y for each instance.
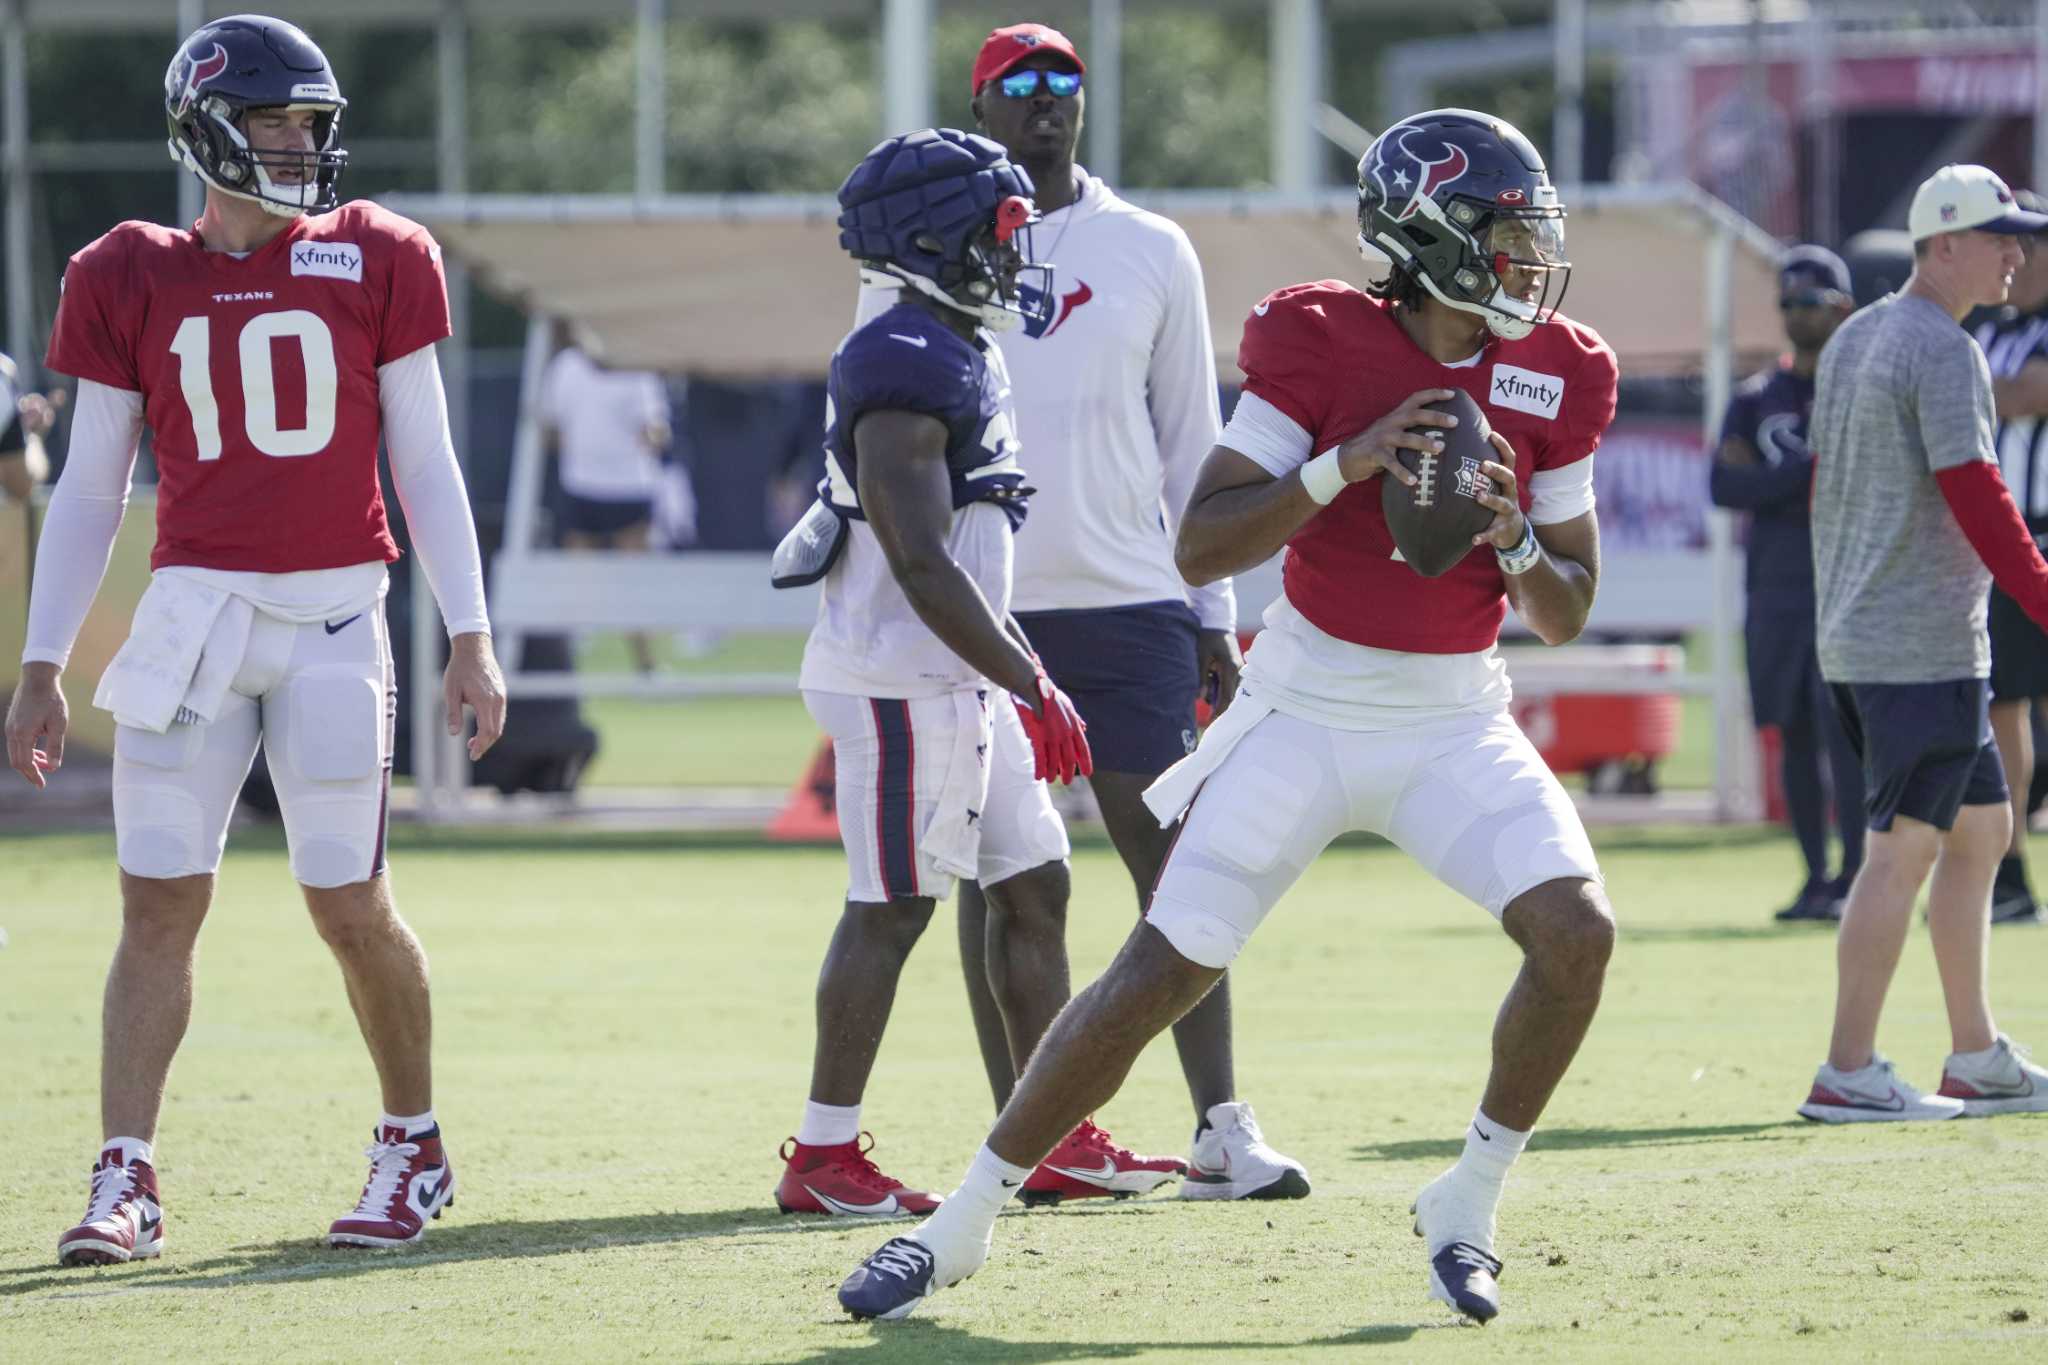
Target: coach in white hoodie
(1116, 409)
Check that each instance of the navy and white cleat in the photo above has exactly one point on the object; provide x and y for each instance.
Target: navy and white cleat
(1467, 1279)
(890, 1283)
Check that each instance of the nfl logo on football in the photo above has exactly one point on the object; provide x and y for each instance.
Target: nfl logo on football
(1468, 477)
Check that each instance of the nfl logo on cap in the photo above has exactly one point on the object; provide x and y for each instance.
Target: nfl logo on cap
(1958, 198)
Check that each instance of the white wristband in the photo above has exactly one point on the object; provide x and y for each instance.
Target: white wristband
(1322, 477)
(1523, 557)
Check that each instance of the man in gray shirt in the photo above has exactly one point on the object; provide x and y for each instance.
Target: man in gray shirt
(1911, 524)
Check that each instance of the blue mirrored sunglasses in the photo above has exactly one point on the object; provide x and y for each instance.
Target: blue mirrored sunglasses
(1022, 85)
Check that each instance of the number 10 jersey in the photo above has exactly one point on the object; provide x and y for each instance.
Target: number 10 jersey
(259, 377)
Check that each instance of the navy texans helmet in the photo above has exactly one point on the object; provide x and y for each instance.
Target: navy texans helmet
(945, 213)
(1459, 202)
(251, 61)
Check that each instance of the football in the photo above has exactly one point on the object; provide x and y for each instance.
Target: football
(1434, 520)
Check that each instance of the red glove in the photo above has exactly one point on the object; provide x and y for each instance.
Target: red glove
(1059, 738)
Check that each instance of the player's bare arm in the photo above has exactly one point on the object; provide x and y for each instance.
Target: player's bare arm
(1555, 595)
(37, 719)
(1239, 515)
(907, 496)
(2024, 394)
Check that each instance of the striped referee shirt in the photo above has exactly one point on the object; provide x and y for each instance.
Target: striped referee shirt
(2009, 342)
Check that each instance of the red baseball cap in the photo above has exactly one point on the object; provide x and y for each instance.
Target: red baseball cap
(1008, 46)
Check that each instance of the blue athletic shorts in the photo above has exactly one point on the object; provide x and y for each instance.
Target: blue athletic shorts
(1131, 672)
(604, 516)
(1926, 747)
(1784, 671)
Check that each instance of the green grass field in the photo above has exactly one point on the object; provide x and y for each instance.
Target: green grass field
(624, 1036)
(769, 741)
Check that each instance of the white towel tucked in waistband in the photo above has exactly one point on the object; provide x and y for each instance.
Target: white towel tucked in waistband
(182, 652)
(1172, 791)
(953, 839)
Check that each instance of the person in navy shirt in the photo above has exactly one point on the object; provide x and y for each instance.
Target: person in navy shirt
(1764, 468)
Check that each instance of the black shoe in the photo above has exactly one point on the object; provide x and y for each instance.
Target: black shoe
(2016, 906)
(1814, 903)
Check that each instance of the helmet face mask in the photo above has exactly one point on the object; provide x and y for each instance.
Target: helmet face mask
(1458, 205)
(945, 213)
(233, 68)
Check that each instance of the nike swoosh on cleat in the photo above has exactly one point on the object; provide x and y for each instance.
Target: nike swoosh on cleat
(919, 342)
(1108, 1172)
(888, 1205)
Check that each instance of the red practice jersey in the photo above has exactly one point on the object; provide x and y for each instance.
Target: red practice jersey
(1336, 361)
(258, 377)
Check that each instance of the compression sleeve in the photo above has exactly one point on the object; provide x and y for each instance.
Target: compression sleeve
(1180, 393)
(84, 515)
(430, 488)
(1991, 520)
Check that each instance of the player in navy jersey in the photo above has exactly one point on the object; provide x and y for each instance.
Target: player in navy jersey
(911, 540)
(2015, 341)
(1375, 699)
(1764, 468)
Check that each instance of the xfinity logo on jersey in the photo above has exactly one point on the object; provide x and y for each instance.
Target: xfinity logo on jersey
(333, 260)
(1526, 390)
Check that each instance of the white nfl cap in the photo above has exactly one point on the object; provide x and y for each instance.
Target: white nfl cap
(1958, 197)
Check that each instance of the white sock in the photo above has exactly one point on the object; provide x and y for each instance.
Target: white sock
(1490, 1149)
(132, 1149)
(828, 1125)
(412, 1125)
(1465, 1198)
(960, 1231)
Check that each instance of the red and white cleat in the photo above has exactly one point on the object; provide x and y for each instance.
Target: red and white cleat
(123, 1220)
(1089, 1165)
(841, 1181)
(410, 1182)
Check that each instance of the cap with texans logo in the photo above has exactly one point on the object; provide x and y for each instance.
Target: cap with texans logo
(1006, 47)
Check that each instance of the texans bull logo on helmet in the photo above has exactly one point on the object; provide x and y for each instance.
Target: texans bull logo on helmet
(198, 71)
(1402, 166)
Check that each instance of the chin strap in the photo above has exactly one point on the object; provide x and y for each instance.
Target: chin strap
(993, 316)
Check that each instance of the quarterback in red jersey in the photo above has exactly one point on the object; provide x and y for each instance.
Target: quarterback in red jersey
(269, 350)
(1374, 699)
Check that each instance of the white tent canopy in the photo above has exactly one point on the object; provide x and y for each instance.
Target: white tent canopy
(757, 285)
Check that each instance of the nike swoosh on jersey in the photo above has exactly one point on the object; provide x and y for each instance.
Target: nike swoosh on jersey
(335, 628)
(1259, 309)
(919, 342)
(885, 1206)
(1108, 1171)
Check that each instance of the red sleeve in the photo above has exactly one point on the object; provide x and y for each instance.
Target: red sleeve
(1284, 356)
(1991, 520)
(416, 306)
(94, 337)
(1590, 404)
